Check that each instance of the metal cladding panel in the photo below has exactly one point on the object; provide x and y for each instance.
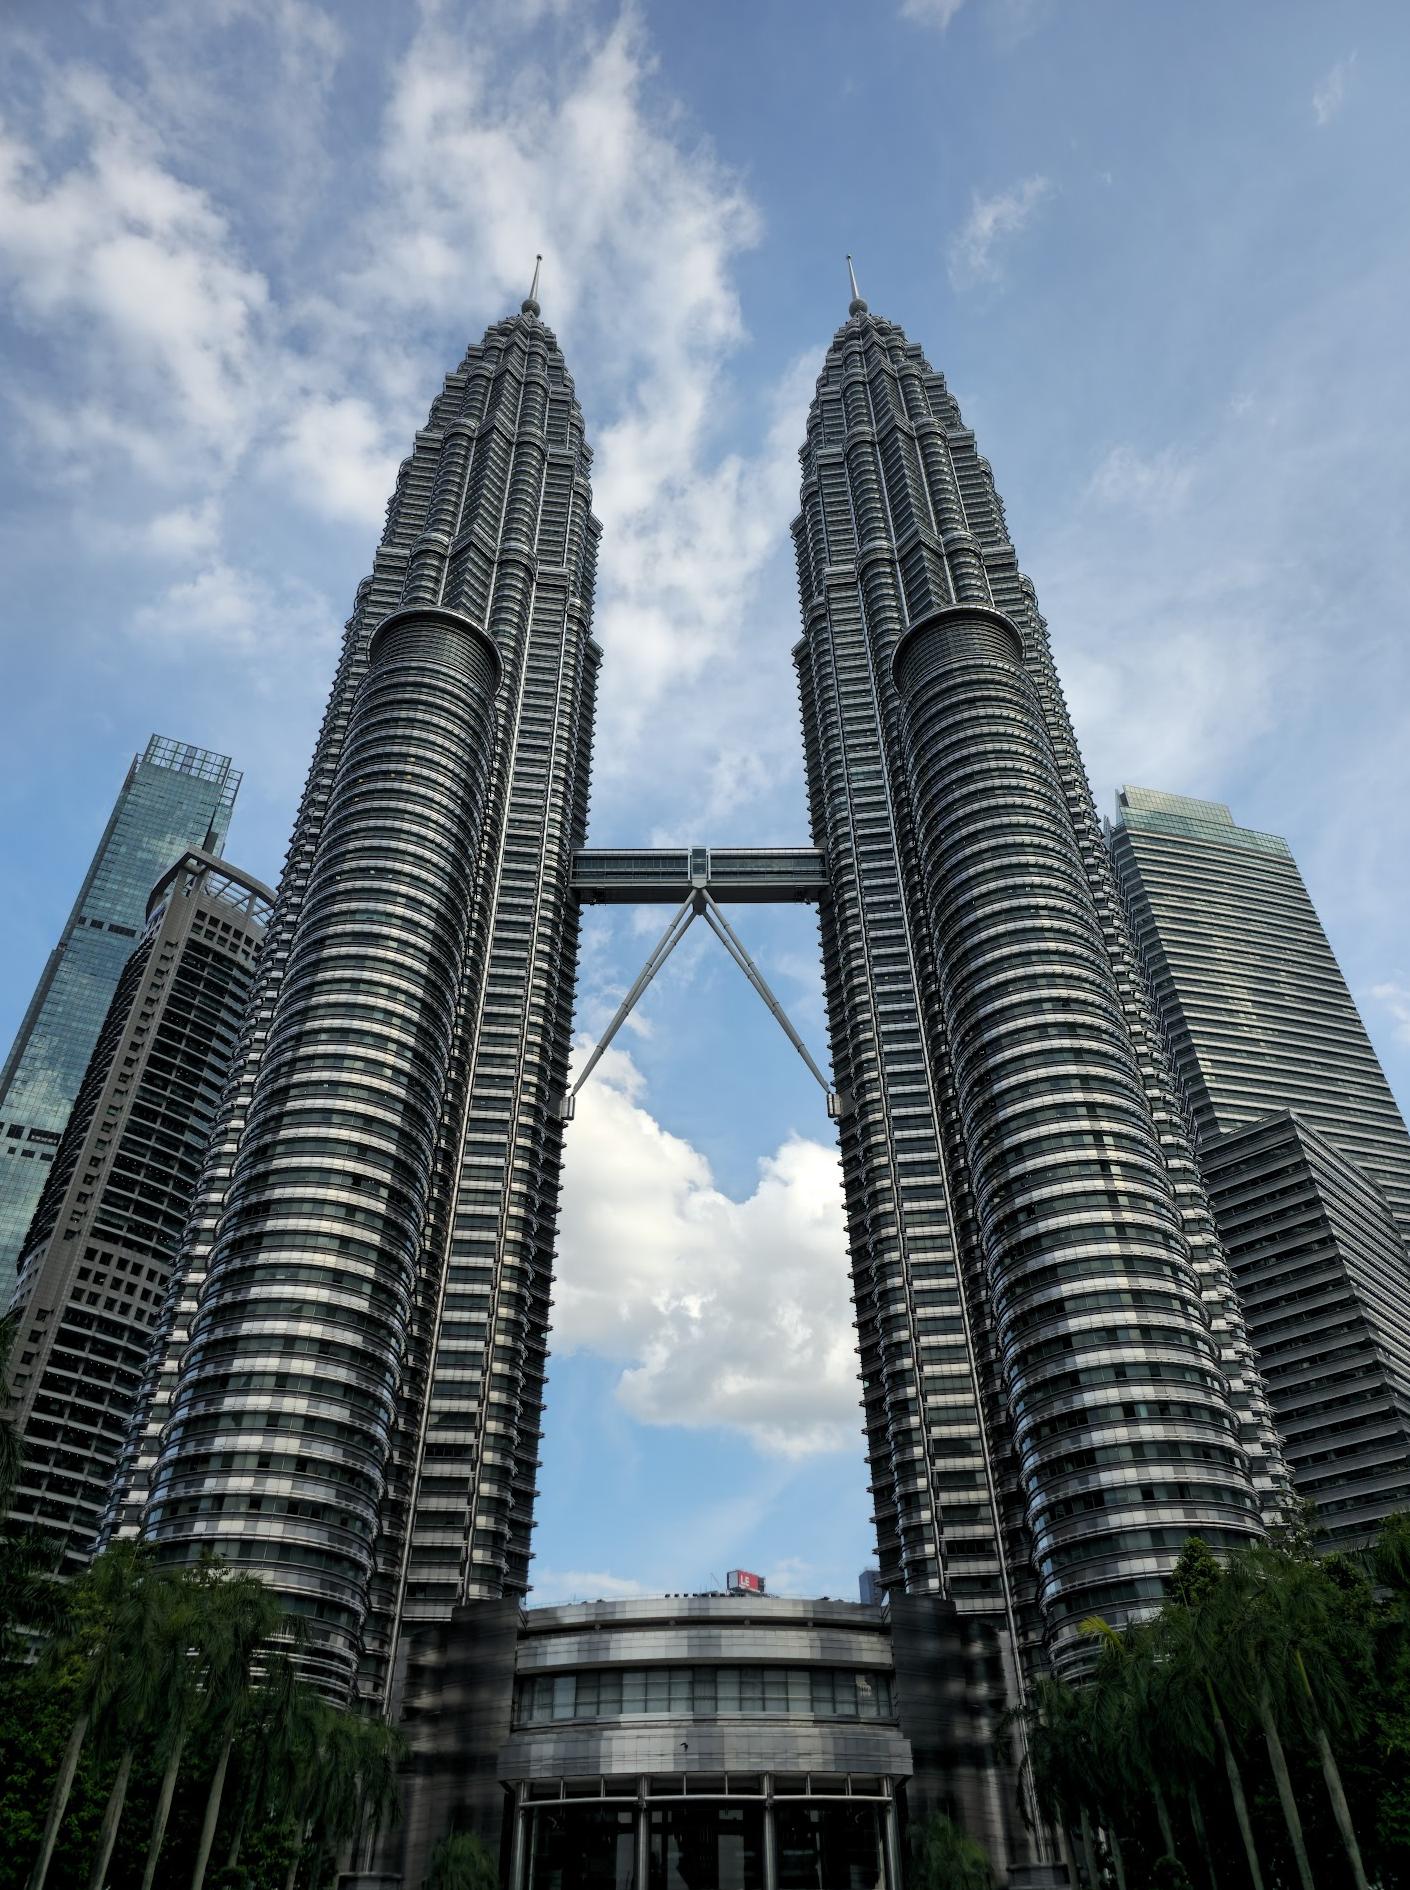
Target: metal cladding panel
(696, 1745)
(784, 1646)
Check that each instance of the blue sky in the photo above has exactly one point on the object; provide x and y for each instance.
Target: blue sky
(1163, 255)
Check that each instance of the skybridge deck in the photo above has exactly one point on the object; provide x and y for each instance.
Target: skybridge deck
(667, 876)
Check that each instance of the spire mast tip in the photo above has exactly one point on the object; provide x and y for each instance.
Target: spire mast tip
(856, 306)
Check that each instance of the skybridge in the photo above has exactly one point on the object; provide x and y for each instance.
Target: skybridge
(697, 881)
(667, 876)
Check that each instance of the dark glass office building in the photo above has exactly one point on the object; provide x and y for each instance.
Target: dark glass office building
(1256, 1011)
(1306, 1156)
(175, 796)
(96, 1267)
(1321, 1268)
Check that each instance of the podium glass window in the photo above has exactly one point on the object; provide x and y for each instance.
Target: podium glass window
(706, 1847)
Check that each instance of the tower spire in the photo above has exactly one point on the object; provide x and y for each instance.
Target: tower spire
(530, 303)
(856, 306)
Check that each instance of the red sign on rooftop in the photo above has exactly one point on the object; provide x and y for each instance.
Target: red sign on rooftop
(739, 1581)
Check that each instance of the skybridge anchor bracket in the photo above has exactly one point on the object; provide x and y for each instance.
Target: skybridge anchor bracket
(702, 905)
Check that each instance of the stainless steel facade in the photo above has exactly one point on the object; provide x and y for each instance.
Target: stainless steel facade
(1058, 1386)
(281, 1426)
(97, 1265)
(366, 1275)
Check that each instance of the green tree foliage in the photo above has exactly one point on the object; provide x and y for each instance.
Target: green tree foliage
(1254, 1732)
(164, 1736)
(943, 1857)
(461, 1862)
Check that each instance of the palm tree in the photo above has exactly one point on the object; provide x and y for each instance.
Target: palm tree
(239, 1615)
(1189, 1701)
(461, 1862)
(33, 1600)
(168, 1695)
(1058, 1735)
(355, 1784)
(280, 1745)
(1304, 1642)
(943, 1857)
(107, 1604)
(1125, 1685)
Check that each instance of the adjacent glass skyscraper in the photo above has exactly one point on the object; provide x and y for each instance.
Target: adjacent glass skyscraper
(1321, 1268)
(1255, 1008)
(1306, 1156)
(96, 1265)
(175, 796)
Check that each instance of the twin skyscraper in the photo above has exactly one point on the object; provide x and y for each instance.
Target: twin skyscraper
(344, 1391)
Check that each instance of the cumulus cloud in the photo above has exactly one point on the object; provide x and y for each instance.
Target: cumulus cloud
(553, 1587)
(721, 1313)
(132, 207)
(107, 244)
(1329, 95)
(993, 221)
(1158, 482)
(337, 457)
(224, 609)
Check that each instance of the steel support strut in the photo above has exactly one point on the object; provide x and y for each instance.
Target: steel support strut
(701, 905)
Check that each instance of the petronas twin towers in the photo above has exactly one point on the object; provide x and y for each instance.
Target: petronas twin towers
(1057, 1386)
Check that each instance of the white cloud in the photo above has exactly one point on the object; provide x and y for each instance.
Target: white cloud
(232, 611)
(335, 457)
(641, 227)
(931, 12)
(553, 1587)
(190, 531)
(1394, 999)
(991, 222)
(1157, 483)
(105, 244)
(1329, 95)
(721, 1312)
(130, 208)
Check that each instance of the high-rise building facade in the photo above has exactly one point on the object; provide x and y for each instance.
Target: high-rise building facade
(1058, 1387)
(1305, 1154)
(96, 1266)
(364, 1306)
(175, 796)
(1321, 1269)
(1253, 1002)
(347, 1391)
